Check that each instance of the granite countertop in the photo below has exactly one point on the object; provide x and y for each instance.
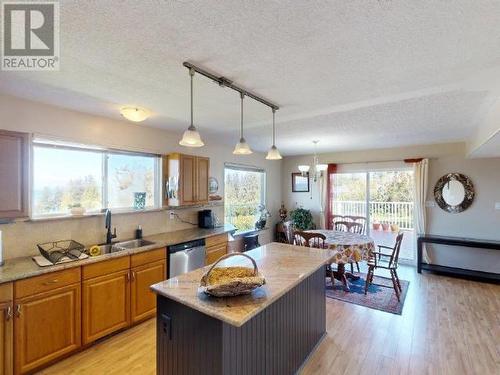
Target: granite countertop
(284, 266)
(24, 267)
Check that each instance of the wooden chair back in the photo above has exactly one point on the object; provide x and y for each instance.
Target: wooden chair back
(393, 261)
(308, 239)
(288, 229)
(349, 226)
(349, 219)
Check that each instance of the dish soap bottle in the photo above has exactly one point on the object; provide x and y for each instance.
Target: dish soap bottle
(138, 233)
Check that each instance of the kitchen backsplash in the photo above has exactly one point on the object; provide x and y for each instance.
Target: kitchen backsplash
(20, 238)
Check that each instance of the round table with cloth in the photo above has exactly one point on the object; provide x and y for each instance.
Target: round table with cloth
(348, 248)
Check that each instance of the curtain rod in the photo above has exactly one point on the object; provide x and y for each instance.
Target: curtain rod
(408, 161)
(224, 82)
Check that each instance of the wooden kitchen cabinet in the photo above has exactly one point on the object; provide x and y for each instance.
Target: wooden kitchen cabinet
(186, 179)
(143, 300)
(14, 174)
(6, 330)
(47, 326)
(106, 305)
(216, 246)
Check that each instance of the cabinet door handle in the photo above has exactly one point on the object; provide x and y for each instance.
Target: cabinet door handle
(133, 275)
(128, 276)
(50, 282)
(18, 310)
(9, 313)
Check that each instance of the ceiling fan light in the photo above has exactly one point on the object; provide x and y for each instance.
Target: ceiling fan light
(191, 138)
(134, 114)
(273, 154)
(242, 148)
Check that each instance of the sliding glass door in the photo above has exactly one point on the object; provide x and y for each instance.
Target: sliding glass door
(384, 198)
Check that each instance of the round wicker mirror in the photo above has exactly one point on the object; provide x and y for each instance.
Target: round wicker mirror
(454, 192)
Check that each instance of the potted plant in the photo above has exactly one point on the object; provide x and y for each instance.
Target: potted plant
(302, 219)
(376, 225)
(77, 209)
(385, 226)
(395, 227)
(264, 214)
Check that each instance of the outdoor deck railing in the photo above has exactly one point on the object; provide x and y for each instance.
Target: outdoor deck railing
(400, 213)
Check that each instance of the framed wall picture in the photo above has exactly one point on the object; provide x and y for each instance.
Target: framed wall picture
(300, 183)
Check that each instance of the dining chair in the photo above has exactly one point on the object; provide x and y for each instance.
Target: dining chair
(358, 219)
(316, 240)
(387, 261)
(288, 229)
(352, 227)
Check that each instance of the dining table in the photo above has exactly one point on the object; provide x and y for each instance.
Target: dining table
(348, 248)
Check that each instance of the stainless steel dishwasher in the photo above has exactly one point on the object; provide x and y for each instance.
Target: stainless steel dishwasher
(185, 257)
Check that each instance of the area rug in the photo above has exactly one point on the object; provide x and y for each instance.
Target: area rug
(378, 297)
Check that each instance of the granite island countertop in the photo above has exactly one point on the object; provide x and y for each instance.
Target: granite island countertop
(24, 267)
(284, 266)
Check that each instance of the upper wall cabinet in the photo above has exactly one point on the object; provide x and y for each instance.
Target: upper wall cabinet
(185, 179)
(14, 174)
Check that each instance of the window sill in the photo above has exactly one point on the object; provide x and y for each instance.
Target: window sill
(88, 215)
(249, 231)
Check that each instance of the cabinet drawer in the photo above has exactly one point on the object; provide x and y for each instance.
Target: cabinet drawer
(6, 292)
(49, 281)
(106, 267)
(148, 257)
(215, 240)
(215, 252)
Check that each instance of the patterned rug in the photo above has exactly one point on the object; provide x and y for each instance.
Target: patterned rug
(378, 297)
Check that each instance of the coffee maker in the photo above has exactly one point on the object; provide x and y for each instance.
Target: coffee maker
(206, 219)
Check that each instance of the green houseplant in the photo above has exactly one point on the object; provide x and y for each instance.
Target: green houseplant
(302, 219)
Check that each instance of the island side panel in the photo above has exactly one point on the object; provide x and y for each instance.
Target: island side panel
(279, 339)
(187, 341)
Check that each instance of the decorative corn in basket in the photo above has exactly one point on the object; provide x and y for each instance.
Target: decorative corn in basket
(231, 281)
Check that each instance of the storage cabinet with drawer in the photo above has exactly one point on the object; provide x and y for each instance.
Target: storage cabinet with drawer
(146, 269)
(106, 298)
(216, 246)
(47, 324)
(6, 329)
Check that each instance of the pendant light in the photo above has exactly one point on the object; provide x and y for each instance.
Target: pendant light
(273, 153)
(242, 147)
(191, 137)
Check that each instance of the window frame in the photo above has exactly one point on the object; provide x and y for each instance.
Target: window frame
(104, 152)
(247, 168)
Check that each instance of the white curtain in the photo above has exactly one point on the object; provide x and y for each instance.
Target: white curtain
(420, 170)
(323, 201)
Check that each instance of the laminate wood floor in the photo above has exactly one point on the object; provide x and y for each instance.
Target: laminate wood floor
(448, 326)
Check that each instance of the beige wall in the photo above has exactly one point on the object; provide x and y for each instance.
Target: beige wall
(21, 115)
(481, 220)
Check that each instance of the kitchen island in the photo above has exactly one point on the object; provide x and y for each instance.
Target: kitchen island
(271, 331)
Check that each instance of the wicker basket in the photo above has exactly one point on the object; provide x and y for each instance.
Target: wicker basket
(231, 281)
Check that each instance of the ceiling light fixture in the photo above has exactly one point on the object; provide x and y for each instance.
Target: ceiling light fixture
(318, 167)
(135, 114)
(273, 153)
(242, 147)
(191, 137)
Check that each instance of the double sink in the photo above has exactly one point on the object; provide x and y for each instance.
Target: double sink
(125, 245)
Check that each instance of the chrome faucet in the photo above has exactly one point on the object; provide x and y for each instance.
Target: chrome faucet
(109, 235)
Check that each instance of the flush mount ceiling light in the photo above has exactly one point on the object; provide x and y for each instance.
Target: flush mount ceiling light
(135, 114)
(242, 147)
(191, 137)
(273, 153)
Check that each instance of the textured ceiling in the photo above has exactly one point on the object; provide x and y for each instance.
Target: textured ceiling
(353, 74)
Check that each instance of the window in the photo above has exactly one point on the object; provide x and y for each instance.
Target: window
(244, 191)
(66, 176)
